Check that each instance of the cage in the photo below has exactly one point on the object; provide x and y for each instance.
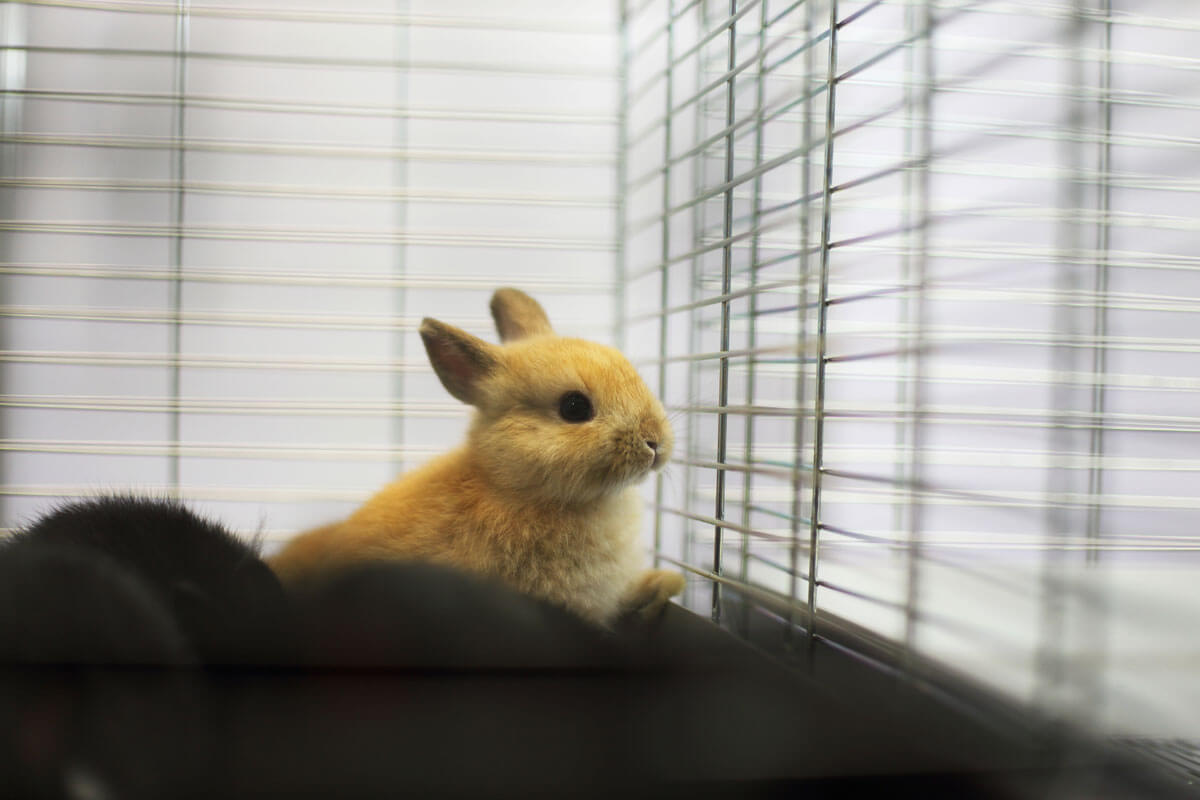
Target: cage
(915, 278)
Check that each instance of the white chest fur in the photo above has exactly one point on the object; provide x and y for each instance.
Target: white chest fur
(589, 567)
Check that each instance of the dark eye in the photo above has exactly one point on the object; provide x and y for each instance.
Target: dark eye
(575, 407)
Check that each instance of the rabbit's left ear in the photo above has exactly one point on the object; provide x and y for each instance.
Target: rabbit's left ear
(518, 315)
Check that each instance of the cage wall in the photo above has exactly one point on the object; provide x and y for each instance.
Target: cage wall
(919, 282)
(223, 223)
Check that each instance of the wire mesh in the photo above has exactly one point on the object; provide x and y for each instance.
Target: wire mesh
(917, 278)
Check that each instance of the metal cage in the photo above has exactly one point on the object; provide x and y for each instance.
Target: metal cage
(916, 279)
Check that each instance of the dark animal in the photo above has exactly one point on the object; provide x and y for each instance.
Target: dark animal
(226, 603)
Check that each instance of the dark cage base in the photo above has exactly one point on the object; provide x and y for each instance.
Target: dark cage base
(700, 713)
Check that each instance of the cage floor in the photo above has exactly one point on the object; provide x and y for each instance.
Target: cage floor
(697, 713)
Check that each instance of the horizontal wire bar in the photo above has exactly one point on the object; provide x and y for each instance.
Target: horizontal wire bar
(947, 249)
(1006, 375)
(573, 24)
(265, 361)
(249, 318)
(232, 103)
(749, 291)
(774, 513)
(880, 601)
(941, 621)
(985, 457)
(723, 524)
(1062, 12)
(940, 336)
(258, 451)
(330, 276)
(306, 191)
(858, 13)
(758, 410)
(235, 405)
(196, 492)
(659, 30)
(963, 414)
(945, 337)
(305, 149)
(983, 544)
(757, 593)
(756, 469)
(302, 233)
(1010, 88)
(491, 69)
(718, 355)
(954, 290)
(784, 568)
(1047, 131)
(949, 291)
(637, 11)
(1035, 503)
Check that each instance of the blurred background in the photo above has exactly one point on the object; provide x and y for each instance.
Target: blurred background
(919, 281)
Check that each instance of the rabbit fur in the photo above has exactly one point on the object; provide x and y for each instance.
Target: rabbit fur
(538, 501)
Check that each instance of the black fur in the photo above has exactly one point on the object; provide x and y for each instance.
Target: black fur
(222, 596)
(62, 605)
(424, 616)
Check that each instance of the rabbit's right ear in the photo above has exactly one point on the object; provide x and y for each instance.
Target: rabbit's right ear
(518, 315)
(460, 360)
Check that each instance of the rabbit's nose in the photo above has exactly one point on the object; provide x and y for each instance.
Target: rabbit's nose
(652, 445)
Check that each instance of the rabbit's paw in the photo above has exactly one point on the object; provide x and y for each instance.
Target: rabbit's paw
(648, 594)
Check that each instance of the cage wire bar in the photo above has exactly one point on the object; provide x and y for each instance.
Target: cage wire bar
(918, 280)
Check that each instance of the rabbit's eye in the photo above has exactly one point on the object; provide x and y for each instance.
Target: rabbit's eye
(575, 407)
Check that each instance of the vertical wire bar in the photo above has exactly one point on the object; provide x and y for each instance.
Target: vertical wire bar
(726, 285)
(621, 257)
(752, 333)
(698, 226)
(822, 322)
(178, 165)
(921, 105)
(1094, 596)
(1100, 289)
(399, 183)
(1052, 647)
(804, 275)
(13, 37)
(906, 357)
(665, 253)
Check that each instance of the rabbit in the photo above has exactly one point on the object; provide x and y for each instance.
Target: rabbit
(68, 605)
(542, 494)
(229, 605)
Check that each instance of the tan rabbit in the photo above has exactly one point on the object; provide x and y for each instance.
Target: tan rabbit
(542, 494)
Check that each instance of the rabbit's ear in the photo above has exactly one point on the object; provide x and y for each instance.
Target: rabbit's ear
(460, 360)
(518, 315)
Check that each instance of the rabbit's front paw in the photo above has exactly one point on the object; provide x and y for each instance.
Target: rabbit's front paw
(648, 594)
